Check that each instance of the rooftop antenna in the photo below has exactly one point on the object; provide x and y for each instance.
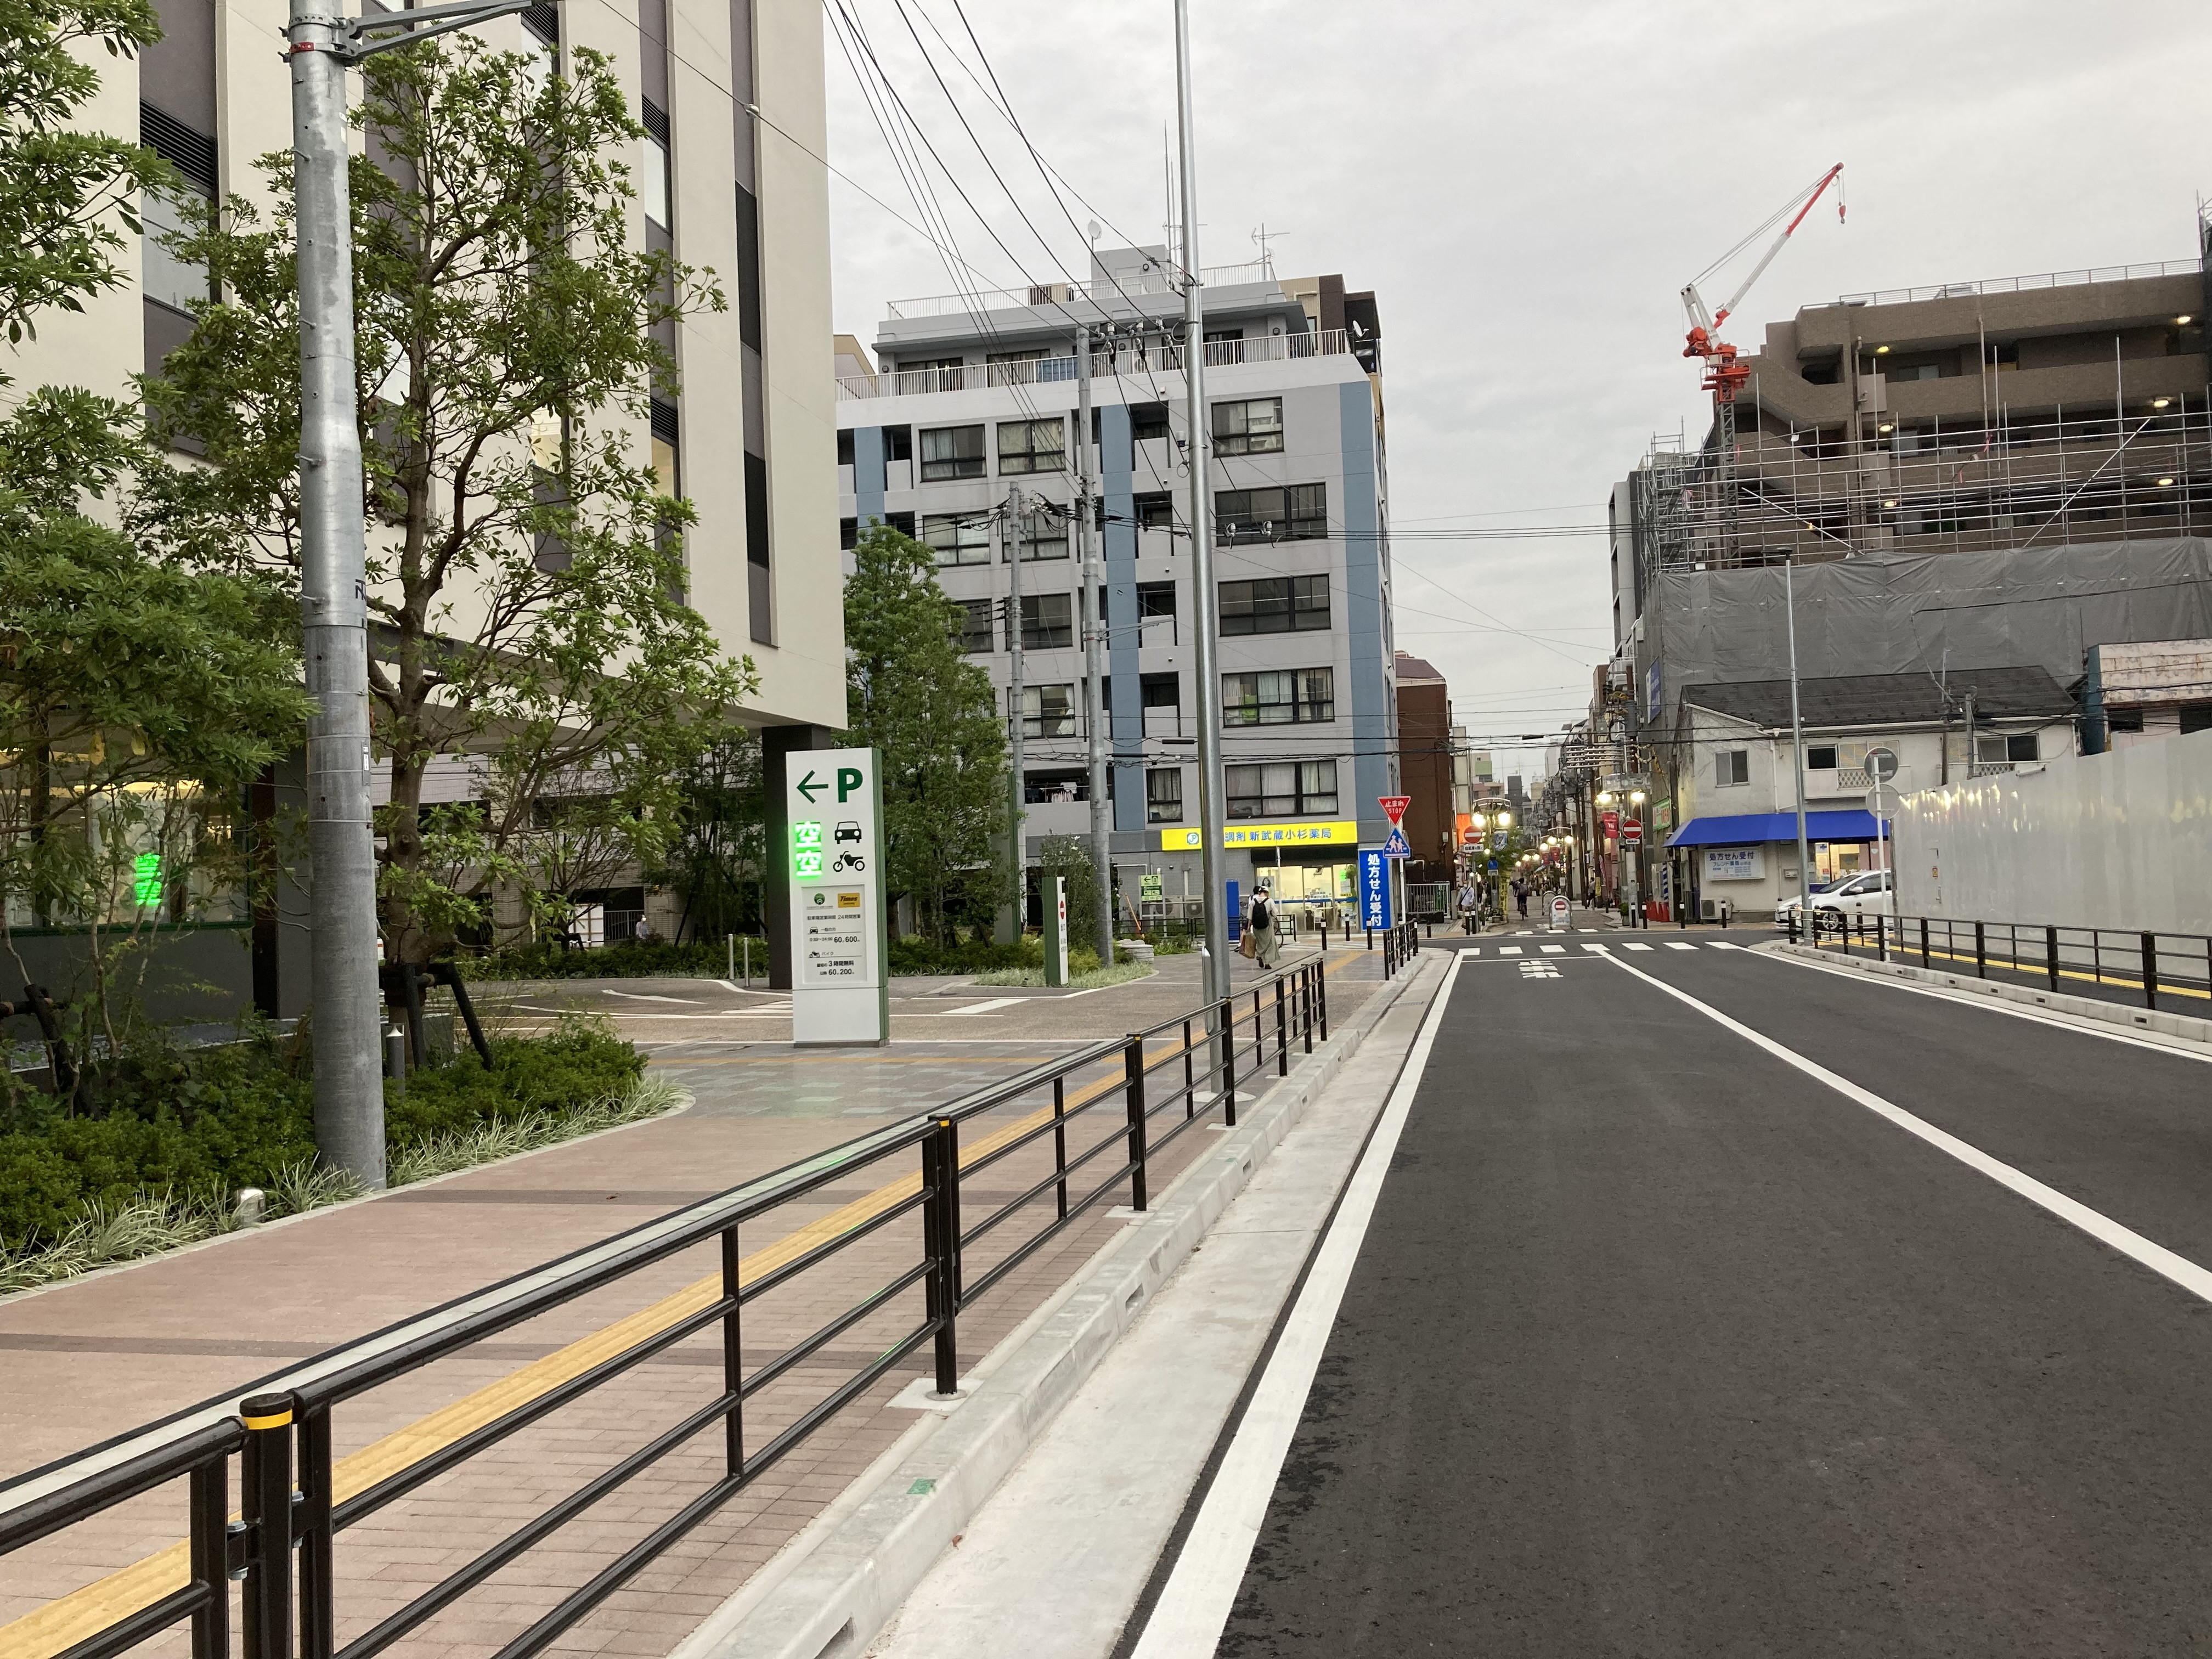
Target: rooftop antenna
(1262, 237)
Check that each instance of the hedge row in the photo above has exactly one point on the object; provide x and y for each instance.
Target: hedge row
(219, 1119)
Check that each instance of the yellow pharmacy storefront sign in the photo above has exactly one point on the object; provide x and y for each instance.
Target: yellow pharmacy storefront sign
(1343, 833)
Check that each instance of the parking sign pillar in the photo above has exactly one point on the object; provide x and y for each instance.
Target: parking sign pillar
(831, 857)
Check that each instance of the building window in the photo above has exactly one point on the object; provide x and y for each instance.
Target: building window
(1048, 711)
(1042, 535)
(1254, 427)
(2019, 746)
(1731, 766)
(845, 447)
(1821, 758)
(975, 624)
(1297, 514)
(849, 534)
(1163, 795)
(652, 179)
(1033, 446)
(1291, 696)
(951, 452)
(1155, 599)
(1281, 789)
(957, 537)
(1148, 421)
(1156, 511)
(898, 443)
(1275, 604)
(1048, 623)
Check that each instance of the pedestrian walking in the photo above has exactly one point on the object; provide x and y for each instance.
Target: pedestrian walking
(1264, 945)
(1470, 904)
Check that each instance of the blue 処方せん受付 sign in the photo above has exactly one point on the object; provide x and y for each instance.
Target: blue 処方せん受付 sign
(1374, 888)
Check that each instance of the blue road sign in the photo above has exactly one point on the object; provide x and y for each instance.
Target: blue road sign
(1395, 848)
(1374, 888)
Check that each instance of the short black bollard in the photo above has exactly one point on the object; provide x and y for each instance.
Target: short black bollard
(1881, 939)
(1924, 941)
(1370, 939)
(1282, 1029)
(2150, 969)
(1227, 1037)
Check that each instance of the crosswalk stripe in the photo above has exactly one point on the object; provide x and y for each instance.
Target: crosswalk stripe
(1677, 945)
(1509, 949)
(1555, 949)
(1600, 949)
(1723, 945)
(1639, 947)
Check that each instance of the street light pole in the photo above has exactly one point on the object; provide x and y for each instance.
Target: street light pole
(1211, 821)
(1797, 748)
(346, 1036)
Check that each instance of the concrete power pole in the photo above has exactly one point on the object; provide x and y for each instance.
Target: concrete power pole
(346, 1035)
(1797, 748)
(1211, 819)
(1018, 909)
(1094, 655)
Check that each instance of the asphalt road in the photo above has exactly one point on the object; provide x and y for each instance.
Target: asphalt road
(1658, 1346)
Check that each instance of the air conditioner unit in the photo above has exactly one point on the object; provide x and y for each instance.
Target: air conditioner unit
(1709, 910)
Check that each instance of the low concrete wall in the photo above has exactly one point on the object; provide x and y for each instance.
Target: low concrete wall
(2121, 840)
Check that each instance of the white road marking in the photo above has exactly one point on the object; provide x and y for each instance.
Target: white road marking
(1555, 949)
(1637, 947)
(1677, 945)
(1195, 1603)
(983, 1007)
(1509, 949)
(1723, 945)
(726, 986)
(2102, 1228)
(1602, 950)
(646, 996)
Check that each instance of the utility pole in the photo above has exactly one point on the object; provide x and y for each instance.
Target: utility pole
(1017, 714)
(346, 1034)
(1094, 653)
(1211, 821)
(1797, 748)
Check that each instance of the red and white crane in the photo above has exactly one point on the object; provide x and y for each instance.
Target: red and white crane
(1724, 376)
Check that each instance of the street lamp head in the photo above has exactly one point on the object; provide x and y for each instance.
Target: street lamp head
(1476, 820)
(1505, 820)
(1605, 798)
(1636, 797)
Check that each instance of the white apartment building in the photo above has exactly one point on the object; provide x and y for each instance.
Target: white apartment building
(973, 398)
(749, 435)
(1727, 815)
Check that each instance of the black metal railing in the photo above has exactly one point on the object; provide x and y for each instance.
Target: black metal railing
(1183, 1070)
(1400, 944)
(2108, 963)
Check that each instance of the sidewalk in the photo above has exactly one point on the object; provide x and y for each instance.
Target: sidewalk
(74, 1360)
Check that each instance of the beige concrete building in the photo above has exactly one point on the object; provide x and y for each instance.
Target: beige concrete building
(750, 436)
(748, 433)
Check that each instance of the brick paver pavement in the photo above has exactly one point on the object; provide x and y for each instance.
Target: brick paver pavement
(103, 1355)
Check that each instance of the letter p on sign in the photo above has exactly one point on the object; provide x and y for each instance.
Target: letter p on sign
(848, 780)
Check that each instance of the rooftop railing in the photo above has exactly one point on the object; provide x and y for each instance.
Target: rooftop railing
(1129, 361)
(1039, 295)
(1903, 296)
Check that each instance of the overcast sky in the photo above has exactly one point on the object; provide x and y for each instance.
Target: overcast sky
(1526, 188)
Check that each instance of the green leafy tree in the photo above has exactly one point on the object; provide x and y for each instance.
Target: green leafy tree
(713, 860)
(138, 698)
(65, 195)
(526, 566)
(912, 693)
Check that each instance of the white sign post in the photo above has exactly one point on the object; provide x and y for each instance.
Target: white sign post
(1055, 929)
(840, 991)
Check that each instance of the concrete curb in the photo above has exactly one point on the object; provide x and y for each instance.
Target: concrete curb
(837, 1583)
(2111, 1013)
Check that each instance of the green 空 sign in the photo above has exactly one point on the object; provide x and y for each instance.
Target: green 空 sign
(146, 887)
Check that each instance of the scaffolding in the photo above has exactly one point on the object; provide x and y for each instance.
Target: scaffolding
(1763, 493)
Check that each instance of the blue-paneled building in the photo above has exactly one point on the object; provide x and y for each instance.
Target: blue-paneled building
(969, 408)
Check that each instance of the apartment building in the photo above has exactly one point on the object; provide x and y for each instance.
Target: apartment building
(1425, 762)
(961, 433)
(748, 433)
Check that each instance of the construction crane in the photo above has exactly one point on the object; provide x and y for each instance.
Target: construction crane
(1724, 375)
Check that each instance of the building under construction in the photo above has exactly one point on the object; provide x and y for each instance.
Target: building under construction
(2029, 410)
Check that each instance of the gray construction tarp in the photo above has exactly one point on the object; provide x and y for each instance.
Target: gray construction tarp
(2038, 606)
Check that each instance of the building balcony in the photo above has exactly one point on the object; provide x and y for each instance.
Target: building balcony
(1156, 360)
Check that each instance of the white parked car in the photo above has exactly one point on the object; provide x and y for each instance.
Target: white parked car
(1864, 895)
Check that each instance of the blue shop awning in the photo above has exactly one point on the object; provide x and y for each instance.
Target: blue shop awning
(1748, 829)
